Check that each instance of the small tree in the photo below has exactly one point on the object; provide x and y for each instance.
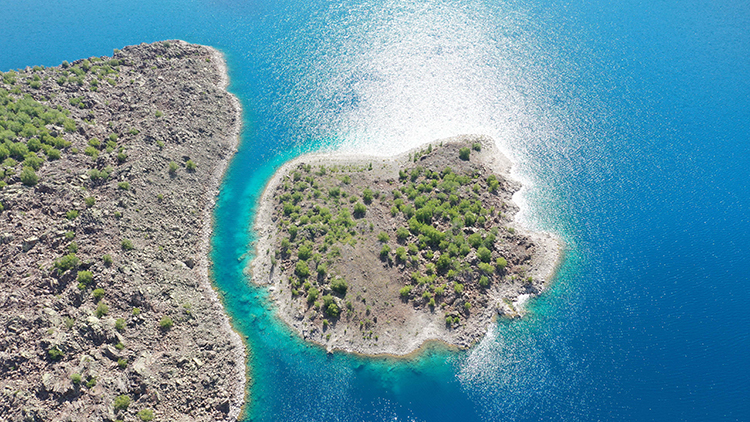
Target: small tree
(146, 415)
(367, 195)
(484, 254)
(339, 285)
(463, 153)
(29, 177)
(166, 323)
(173, 166)
(500, 264)
(121, 402)
(302, 270)
(359, 210)
(85, 277)
(101, 310)
(98, 294)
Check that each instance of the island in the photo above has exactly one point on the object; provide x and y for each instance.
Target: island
(109, 168)
(378, 255)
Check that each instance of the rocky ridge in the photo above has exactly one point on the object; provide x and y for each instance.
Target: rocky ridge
(107, 312)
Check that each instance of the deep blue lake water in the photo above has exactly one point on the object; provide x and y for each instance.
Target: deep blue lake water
(628, 121)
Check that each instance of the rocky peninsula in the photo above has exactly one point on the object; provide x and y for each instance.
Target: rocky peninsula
(379, 255)
(109, 167)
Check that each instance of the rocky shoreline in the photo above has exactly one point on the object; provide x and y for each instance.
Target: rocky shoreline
(399, 327)
(108, 312)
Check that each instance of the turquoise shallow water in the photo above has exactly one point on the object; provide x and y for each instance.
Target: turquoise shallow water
(627, 121)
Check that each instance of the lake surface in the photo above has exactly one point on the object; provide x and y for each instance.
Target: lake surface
(628, 122)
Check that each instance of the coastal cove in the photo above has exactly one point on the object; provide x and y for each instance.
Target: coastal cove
(625, 123)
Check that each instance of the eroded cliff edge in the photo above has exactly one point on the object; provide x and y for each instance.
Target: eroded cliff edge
(110, 167)
(379, 255)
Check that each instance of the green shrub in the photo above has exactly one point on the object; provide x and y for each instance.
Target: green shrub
(467, 305)
(463, 153)
(69, 125)
(401, 254)
(385, 251)
(76, 378)
(121, 402)
(136, 311)
(486, 268)
(91, 152)
(312, 295)
(71, 215)
(73, 247)
(402, 233)
(190, 165)
(166, 323)
(359, 210)
(67, 262)
(383, 237)
(101, 310)
(91, 382)
(330, 307)
(367, 195)
(69, 235)
(158, 113)
(123, 185)
(146, 415)
(121, 157)
(122, 363)
(302, 270)
(98, 294)
(33, 161)
(444, 262)
(405, 291)
(458, 288)
(500, 264)
(476, 146)
(173, 166)
(338, 285)
(484, 254)
(119, 324)
(90, 201)
(126, 245)
(107, 259)
(29, 177)
(304, 252)
(54, 353)
(85, 277)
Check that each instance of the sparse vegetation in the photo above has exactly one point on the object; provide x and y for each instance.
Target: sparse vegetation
(146, 415)
(127, 245)
(121, 403)
(166, 323)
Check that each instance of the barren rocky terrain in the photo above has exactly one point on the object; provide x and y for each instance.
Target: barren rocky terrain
(110, 166)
